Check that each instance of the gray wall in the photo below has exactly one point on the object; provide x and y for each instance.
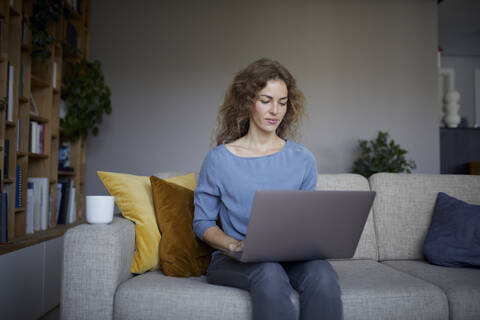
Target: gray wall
(364, 66)
(464, 68)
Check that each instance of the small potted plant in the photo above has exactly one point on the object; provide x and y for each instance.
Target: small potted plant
(381, 155)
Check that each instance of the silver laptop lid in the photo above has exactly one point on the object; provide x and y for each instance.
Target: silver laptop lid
(291, 225)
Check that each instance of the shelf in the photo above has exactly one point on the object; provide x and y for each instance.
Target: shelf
(53, 181)
(2, 58)
(56, 91)
(8, 181)
(19, 209)
(66, 173)
(39, 119)
(37, 155)
(10, 124)
(39, 83)
(21, 154)
(37, 237)
(23, 100)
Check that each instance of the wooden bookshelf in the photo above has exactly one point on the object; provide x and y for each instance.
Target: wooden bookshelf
(42, 81)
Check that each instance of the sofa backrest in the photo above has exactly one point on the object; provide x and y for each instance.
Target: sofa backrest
(404, 206)
(367, 246)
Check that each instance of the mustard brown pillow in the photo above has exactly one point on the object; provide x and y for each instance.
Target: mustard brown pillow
(181, 254)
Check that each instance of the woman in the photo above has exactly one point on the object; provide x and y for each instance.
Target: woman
(262, 108)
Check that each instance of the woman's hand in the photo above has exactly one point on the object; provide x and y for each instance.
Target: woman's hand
(217, 239)
(236, 246)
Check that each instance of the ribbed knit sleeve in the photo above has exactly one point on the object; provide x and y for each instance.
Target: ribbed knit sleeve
(206, 197)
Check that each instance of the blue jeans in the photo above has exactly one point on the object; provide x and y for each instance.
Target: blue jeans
(271, 285)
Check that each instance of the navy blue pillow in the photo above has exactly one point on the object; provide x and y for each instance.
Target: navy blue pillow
(453, 239)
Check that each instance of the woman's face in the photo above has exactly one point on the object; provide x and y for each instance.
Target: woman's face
(270, 106)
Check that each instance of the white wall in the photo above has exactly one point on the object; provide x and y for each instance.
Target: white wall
(364, 66)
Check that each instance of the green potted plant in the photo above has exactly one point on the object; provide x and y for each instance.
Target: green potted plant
(45, 14)
(381, 155)
(87, 98)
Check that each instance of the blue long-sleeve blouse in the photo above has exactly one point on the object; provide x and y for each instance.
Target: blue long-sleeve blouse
(227, 183)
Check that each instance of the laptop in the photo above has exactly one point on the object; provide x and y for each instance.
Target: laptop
(297, 225)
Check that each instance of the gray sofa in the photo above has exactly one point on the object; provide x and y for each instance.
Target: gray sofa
(387, 278)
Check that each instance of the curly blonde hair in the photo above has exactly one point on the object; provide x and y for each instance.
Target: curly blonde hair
(233, 117)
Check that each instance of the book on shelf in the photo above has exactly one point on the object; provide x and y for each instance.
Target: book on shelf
(37, 137)
(30, 207)
(10, 100)
(66, 212)
(3, 217)
(59, 198)
(6, 155)
(71, 206)
(40, 203)
(54, 80)
(18, 187)
(18, 135)
(51, 221)
(72, 36)
(20, 85)
(5, 196)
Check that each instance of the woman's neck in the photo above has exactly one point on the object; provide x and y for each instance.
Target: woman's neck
(255, 140)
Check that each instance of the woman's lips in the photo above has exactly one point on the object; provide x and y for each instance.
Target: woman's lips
(272, 121)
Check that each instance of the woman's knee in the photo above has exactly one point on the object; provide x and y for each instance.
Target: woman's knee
(321, 276)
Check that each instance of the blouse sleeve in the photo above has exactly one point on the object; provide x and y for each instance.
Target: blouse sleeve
(311, 174)
(206, 198)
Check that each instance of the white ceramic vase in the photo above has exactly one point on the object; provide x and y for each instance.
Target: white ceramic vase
(452, 118)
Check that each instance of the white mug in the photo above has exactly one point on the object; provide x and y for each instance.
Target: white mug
(99, 209)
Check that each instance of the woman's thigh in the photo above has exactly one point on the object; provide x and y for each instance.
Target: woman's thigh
(226, 271)
(302, 273)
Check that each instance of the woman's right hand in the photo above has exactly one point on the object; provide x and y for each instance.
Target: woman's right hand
(217, 239)
(236, 246)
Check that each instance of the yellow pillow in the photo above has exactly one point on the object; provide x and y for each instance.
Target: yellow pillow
(181, 253)
(133, 196)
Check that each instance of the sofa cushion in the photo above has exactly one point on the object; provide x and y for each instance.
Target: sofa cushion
(367, 246)
(370, 290)
(403, 209)
(181, 254)
(453, 239)
(461, 285)
(153, 295)
(133, 196)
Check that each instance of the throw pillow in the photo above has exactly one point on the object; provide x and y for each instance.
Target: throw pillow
(181, 253)
(453, 239)
(133, 196)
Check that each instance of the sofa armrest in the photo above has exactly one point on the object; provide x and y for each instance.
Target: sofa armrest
(96, 260)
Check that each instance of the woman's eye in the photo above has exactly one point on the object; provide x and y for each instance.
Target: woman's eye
(264, 101)
(283, 104)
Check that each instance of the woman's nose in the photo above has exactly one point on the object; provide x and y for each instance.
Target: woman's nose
(274, 108)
